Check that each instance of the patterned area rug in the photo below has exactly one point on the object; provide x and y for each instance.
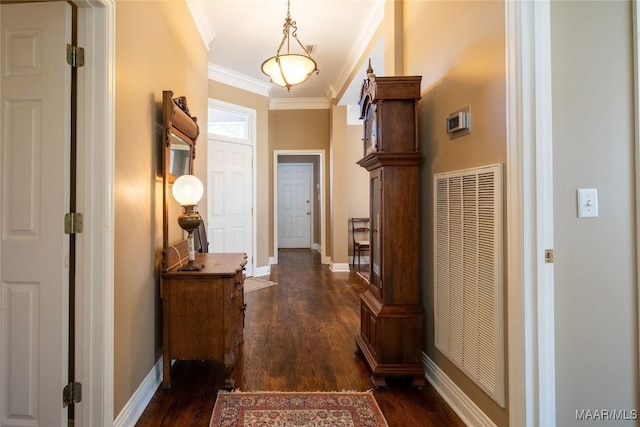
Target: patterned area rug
(255, 283)
(344, 409)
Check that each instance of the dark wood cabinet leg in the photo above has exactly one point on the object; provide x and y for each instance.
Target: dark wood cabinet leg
(166, 372)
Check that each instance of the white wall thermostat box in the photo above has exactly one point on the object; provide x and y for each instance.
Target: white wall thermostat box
(459, 122)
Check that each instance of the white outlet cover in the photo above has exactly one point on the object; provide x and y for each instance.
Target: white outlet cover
(587, 203)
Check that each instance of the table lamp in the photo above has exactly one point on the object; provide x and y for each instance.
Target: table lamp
(188, 190)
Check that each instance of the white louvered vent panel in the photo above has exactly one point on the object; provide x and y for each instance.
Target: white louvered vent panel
(456, 308)
(468, 274)
(470, 271)
(442, 258)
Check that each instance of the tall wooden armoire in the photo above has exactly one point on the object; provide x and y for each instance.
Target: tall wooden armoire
(391, 328)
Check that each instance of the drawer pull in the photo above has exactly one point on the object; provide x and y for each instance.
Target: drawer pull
(244, 313)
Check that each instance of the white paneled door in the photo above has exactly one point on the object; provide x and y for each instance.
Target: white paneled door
(230, 199)
(34, 196)
(295, 206)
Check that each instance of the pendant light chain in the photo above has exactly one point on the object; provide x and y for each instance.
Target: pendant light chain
(290, 69)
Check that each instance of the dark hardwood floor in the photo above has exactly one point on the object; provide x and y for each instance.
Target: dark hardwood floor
(298, 336)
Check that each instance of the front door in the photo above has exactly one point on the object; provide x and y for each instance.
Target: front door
(230, 199)
(34, 196)
(294, 205)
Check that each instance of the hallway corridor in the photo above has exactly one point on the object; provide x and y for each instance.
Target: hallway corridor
(299, 336)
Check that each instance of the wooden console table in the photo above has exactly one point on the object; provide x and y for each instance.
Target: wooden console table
(203, 312)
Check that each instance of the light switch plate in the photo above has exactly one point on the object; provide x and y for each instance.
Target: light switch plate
(587, 203)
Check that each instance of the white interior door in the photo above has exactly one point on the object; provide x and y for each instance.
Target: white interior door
(34, 176)
(294, 205)
(230, 222)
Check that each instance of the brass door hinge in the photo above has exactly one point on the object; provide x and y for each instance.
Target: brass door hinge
(75, 56)
(73, 223)
(548, 256)
(72, 393)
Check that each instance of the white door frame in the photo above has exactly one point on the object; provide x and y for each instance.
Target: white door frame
(321, 174)
(636, 120)
(96, 154)
(312, 198)
(530, 308)
(251, 113)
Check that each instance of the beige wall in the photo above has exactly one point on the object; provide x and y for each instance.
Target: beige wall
(458, 68)
(596, 315)
(357, 179)
(263, 209)
(166, 53)
(299, 130)
(278, 130)
(339, 161)
(595, 278)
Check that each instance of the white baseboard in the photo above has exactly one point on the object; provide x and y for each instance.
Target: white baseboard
(141, 398)
(272, 260)
(325, 260)
(263, 271)
(462, 405)
(339, 267)
(363, 259)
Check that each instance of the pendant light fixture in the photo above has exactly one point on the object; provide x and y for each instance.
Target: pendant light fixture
(290, 69)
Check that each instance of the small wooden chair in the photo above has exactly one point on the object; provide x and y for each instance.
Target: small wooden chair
(200, 238)
(360, 238)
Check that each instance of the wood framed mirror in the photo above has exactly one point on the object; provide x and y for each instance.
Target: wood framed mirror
(180, 132)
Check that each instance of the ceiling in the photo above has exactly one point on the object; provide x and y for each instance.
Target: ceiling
(241, 34)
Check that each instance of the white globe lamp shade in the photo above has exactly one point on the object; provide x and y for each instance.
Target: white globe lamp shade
(289, 69)
(187, 190)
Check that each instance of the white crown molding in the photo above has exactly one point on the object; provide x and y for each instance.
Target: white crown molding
(299, 104)
(241, 81)
(204, 26)
(367, 33)
(331, 92)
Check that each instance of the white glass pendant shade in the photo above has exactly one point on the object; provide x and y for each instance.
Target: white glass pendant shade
(289, 69)
(187, 190)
